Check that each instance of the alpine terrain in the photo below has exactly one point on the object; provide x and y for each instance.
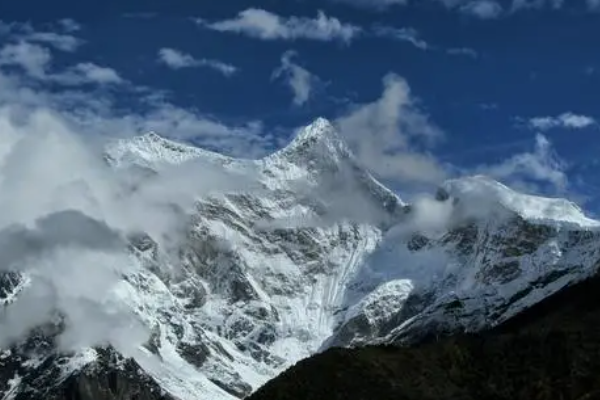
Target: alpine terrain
(316, 254)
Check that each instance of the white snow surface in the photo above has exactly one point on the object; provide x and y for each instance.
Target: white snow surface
(480, 191)
(265, 279)
(299, 293)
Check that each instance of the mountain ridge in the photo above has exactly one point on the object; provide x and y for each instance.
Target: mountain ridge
(325, 256)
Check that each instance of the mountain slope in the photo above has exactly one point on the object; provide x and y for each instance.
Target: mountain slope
(306, 250)
(498, 252)
(254, 279)
(545, 352)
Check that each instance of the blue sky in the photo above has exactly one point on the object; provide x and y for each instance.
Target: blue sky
(422, 90)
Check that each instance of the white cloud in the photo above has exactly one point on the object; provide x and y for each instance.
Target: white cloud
(528, 170)
(175, 59)
(65, 224)
(386, 135)
(36, 62)
(69, 25)
(535, 4)
(297, 78)
(402, 34)
(566, 120)
(593, 5)
(25, 32)
(86, 73)
(265, 25)
(24, 51)
(483, 9)
(62, 42)
(33, 58)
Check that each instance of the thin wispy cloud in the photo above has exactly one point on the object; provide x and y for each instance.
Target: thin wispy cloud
(413, 37)
(462, 51)
(409, 35)
(536, 4)
(566, 120)
(380, 5)
(298, 78)
(36, 62)
(62, 39)
(528, 170)
(87, 72)
(593, 5)
(32, 58)
(482, 9)
(59, 41)
(69, 25)
(265, 25)
(25, 65)
(176, 59)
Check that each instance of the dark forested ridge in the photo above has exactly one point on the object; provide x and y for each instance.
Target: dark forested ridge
(550, 351)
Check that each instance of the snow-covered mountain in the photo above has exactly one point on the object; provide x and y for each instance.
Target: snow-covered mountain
(316, 253)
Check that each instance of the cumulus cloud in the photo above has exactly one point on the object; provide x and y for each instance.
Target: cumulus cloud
(176, 59)
(265, 25)
(530, 169)
(566, 120)
(299, 79)
(388, 135)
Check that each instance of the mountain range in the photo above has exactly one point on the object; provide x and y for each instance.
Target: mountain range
(302, 252)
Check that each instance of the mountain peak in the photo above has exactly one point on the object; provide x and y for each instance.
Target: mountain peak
(320, 128)
(151, 149)
(317, 142)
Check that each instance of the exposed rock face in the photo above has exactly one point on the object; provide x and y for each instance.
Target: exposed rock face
(489, 266)
(34, 370)
(320, 254)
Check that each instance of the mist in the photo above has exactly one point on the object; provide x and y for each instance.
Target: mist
(65, 218)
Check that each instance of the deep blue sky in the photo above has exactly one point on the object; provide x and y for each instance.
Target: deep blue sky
(541, 61)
